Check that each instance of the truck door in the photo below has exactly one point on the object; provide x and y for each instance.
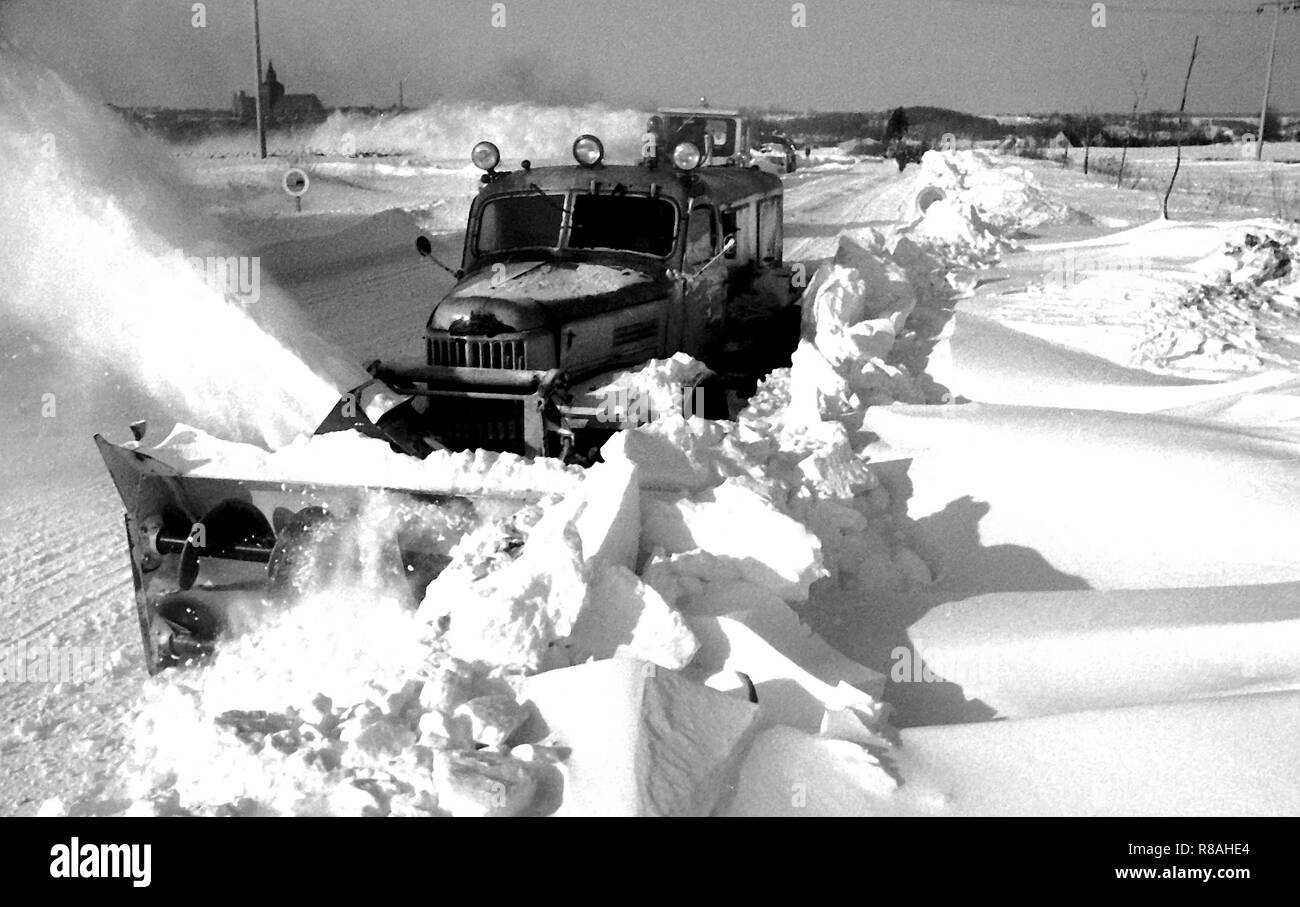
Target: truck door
(705, 275)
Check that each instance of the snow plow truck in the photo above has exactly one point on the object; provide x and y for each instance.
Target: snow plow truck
(568, 273)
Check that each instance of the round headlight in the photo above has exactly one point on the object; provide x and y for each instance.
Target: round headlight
(686, 156)
(588, 151)
(485, 156)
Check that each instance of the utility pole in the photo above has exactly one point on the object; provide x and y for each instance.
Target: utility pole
(1278, 7)
(257, 54)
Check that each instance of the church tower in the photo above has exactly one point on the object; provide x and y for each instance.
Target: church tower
(272, 89)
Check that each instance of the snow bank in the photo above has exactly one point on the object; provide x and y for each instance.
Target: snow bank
(1014, 497)
(1252, 292)
(1179, 759)
(1026, 655)
(969, 208)
(1008, 198)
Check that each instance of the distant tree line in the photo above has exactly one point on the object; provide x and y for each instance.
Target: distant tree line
(924, 124)
(928, 124)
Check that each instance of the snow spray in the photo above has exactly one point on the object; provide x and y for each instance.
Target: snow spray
(90, 226)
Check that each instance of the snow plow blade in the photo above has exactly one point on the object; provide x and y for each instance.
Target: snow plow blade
(209, 554)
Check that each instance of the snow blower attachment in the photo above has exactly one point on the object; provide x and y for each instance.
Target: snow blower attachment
(209, 554)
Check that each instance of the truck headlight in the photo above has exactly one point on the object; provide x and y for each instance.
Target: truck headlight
(588, 151)
(686, 156)
(485, 156)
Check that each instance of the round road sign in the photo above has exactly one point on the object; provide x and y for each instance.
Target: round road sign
(296, 182)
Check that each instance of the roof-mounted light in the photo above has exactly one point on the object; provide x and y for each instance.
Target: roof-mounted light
(485, 156)
(686, 156)
(588, 151)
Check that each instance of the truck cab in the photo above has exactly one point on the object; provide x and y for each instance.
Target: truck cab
(723, 136)
(573, 272)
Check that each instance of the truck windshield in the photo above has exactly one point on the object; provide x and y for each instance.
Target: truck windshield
(520, 222)
(693, 129)
(627, 223)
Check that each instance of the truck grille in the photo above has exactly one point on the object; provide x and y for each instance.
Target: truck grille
(468, 424)
(475, 353)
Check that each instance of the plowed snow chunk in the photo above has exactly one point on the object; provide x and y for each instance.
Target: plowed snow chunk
(834, 469)
(850, 725)
(609, 523)
(627, 618)
(860, 286)
(479, 784)
(645, 741)
(774, 551)
(52, 807)
(790, 773)
(958, 226)
(787, 633)
(513, 615)
(493, 718)
(448, 685)
(351, 800)
(725, 595)
(666, 454)
(787, 694)
(654, 390)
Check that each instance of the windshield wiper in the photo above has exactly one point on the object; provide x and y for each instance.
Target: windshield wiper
(538, 189)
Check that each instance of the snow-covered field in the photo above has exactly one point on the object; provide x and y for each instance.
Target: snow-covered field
(1013, 535)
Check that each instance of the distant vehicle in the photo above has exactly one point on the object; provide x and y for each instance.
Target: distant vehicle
(776, 154)
(723, 136)
(904, 152)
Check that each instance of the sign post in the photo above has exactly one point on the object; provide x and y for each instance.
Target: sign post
(296, 184)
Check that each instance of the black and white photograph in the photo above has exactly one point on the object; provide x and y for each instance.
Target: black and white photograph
(618, 408)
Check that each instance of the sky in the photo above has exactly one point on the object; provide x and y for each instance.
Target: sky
(981, 56)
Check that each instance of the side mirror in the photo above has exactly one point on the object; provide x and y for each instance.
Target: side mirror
(729, 246)
(424, 246)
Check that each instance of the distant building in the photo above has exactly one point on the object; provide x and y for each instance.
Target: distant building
(278, 107)
(1061, 142)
